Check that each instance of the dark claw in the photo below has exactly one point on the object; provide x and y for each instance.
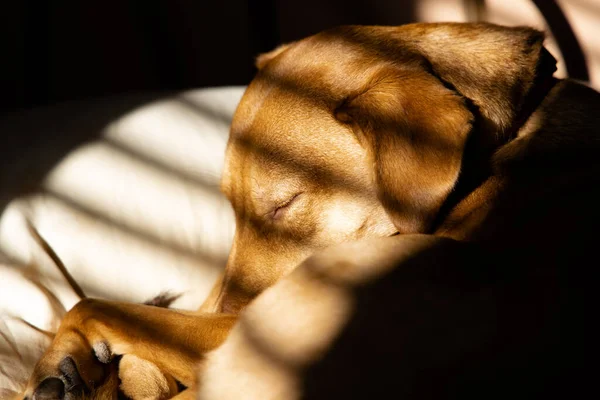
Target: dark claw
(50, 389)
(70, 374)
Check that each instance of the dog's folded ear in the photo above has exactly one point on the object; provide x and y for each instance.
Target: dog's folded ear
(493, 66)
(412, 113)
(415, 130)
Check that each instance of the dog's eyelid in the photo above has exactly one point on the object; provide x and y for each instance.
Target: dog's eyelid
(278, 211)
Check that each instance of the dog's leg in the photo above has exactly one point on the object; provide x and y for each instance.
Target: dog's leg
(95, 330)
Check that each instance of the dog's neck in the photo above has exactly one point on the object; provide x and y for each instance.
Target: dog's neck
(476, 168)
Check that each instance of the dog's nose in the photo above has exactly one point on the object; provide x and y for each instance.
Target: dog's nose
(50, 389)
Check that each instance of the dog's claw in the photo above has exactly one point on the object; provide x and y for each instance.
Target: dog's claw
(50, 389)
(70, 374)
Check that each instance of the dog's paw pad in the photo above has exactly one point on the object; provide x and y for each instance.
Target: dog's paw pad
(103, 352)
(50, 389)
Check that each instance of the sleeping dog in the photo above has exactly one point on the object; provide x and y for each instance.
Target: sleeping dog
(415, 210)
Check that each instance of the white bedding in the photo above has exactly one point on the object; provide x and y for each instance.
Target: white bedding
(125, 190)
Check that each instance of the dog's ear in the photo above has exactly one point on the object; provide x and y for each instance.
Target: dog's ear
(413, 115)
(263, 59)
(493, 66)
(415, 130)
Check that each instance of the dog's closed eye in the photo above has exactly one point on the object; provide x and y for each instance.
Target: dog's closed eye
(280, 210)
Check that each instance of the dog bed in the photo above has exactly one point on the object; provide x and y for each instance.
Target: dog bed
(125, 191)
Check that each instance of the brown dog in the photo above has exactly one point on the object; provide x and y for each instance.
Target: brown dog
(463, 169)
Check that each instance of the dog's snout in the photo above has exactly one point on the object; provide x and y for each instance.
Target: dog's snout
(50, 389)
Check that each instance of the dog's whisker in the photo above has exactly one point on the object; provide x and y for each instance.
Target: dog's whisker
(55, 259)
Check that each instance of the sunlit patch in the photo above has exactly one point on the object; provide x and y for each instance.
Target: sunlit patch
(143, 197)
(441, 10)
(342, 219)
(106, 260)
(132, 214)
(183, 133)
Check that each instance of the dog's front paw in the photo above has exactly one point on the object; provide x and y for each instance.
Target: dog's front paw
(70, 369)
(73, 365)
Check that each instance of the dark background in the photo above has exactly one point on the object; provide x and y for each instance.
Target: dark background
(61, 50)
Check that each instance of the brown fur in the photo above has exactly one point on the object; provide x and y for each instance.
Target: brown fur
(453, 135)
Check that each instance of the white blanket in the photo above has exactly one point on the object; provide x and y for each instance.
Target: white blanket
(125, 190)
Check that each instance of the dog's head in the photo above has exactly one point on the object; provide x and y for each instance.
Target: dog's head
(361, 131)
